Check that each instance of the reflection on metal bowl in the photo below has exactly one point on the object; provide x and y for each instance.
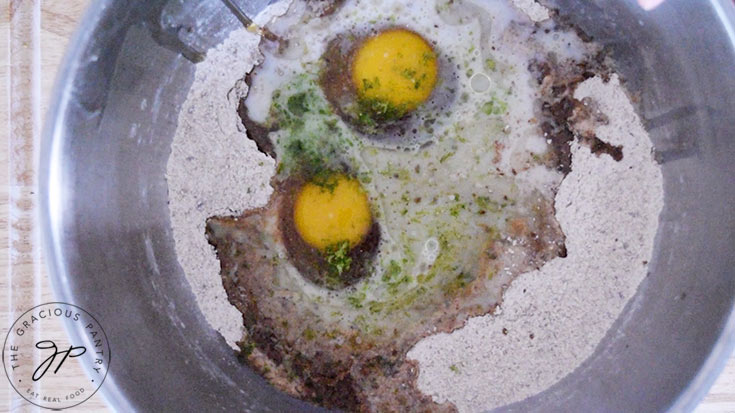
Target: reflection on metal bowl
(110, 249)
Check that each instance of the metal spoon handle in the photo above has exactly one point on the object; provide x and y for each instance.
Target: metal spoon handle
(238, 12)
(247, 21)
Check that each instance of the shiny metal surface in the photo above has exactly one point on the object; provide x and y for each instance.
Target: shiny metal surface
(108, 239)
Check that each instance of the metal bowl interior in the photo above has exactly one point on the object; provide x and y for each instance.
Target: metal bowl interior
(109, 245)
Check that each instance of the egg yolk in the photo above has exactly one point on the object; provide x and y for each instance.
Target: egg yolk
(326, 215)
(395, 66)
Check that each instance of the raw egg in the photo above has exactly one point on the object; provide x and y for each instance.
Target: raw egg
(332, 211)
(396, 68)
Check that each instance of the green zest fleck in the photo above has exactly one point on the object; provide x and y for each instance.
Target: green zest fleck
(459, 282)
(394, 278)
(490, 64)
(368, 84)
(297, 104)
(425, 278)
(325, 178)
(455, 209)
(364, 119)
(406, 299)
(394, 269)
(486, 204)
(428, 57)
(375, 306)
(446, 156)
(417, 82)
(309, 334)
(371, 112)
(246, 348)
(408, 73)
(454, 368)
(393, 285)
(391, 171)
(308, 156)
(338, 257)
(365, 177)
(357, 299)
(495, 107)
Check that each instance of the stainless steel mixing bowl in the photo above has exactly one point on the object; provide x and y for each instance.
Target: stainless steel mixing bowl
(108, 237)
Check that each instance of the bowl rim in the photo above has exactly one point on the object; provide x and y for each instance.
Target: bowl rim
(50, 180)
(724, 348)
(50, 200)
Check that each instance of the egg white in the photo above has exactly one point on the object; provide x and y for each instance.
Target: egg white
(484, 146)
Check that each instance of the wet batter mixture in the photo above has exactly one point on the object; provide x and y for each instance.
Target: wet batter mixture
(417, 152)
